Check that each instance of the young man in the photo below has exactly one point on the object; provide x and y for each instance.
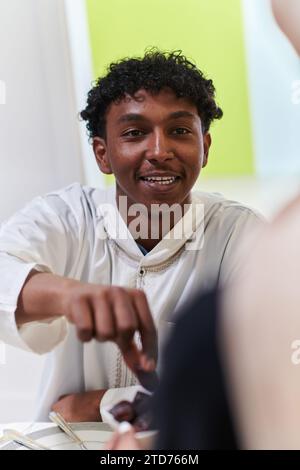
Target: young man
(75, 261)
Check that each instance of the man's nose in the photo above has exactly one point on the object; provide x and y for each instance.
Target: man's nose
(159, 148)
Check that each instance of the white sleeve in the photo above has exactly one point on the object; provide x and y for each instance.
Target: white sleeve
(43, 236)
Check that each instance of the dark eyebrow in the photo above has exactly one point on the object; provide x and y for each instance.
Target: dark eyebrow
(130, 117)
(180, 114)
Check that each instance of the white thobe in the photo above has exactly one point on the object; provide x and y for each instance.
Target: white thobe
(69, 234)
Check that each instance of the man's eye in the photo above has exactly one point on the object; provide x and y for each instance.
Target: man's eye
(133, 133)
(181, 131)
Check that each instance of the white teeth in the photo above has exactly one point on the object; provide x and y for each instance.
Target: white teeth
(160, 179)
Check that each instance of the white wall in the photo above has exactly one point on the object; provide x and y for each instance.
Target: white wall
(40, 146)
(39, 140)
(273, 71)
(81, 59)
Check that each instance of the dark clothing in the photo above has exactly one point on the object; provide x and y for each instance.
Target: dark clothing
(191, 406)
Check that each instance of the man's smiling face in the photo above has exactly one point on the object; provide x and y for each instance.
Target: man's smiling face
(154, 146)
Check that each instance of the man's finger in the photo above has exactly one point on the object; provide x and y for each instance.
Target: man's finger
(112, 443)
(105, 328)
(83, 320)
(131, 354)
(146, 325)
(125, 316)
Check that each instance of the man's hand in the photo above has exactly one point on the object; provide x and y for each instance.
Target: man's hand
(80, 407)
(106, 313)
(111, 313)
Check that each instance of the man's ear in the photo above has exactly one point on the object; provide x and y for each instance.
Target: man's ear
(206, 145)
(100, 151)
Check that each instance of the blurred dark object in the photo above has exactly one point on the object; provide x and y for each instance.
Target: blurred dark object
(137, 413)
(191, 406)
(123, 411)
(148, 380)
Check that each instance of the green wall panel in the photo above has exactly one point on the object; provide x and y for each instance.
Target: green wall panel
(208, 31)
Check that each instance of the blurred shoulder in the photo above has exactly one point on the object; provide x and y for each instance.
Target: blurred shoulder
(217, 208)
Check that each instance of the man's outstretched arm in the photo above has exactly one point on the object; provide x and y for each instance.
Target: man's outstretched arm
(106, 313)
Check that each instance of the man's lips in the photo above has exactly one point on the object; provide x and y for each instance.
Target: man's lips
(160, 183)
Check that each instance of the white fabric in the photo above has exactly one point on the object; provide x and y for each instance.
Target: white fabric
(60, 233)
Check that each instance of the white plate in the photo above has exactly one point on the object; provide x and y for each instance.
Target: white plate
(94, 436)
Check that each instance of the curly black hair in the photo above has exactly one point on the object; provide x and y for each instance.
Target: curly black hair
(153, 72)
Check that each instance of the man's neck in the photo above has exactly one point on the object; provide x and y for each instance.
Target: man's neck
(148, 243)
